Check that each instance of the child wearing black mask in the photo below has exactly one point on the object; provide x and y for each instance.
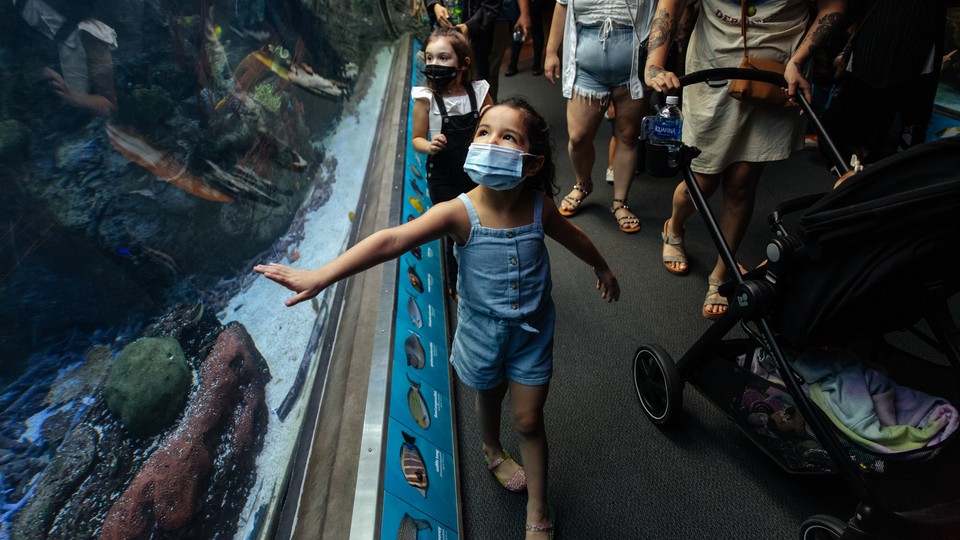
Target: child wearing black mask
(445, 114)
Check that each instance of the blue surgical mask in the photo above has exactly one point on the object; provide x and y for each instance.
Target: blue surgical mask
(496, 167)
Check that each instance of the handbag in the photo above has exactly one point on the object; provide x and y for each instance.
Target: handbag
(755, 92)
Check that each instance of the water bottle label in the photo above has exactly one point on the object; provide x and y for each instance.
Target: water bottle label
(667, 130)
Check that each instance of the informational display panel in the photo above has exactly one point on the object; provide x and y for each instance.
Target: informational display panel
(420, 498)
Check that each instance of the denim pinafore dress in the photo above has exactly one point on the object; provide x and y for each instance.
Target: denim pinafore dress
(505, 315)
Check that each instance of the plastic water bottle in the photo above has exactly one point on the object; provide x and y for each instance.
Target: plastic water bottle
(667, 129)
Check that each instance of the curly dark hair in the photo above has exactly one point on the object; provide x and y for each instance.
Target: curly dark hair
(541, 144)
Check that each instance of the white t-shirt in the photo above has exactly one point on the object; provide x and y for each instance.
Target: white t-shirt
(456, 105)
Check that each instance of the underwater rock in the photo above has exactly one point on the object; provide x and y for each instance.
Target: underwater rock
(65, 472)
(208, 459)
(83, 380)
(148, 384)
(112, 468)
(194, 326)
(14, 142)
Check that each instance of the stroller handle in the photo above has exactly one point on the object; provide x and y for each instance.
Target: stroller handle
(722, 74)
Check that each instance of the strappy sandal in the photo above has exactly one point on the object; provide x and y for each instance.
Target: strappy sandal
(517, 483)
(713, 298)
(677, 243)
(628, 224)
(546, 526)
(575, 202)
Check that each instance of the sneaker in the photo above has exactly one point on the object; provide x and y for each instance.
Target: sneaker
(609, 176)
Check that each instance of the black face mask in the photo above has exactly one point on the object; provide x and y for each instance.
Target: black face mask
(440, 76)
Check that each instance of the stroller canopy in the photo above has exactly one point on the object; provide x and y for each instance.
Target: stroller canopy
(874, 247)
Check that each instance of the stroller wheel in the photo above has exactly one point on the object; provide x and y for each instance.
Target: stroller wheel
(658, 383)
(822, 527)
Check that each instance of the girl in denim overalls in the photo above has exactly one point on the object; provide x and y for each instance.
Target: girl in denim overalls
(505, 317)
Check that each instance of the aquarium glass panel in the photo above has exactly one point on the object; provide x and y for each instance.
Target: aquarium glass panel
(152, 152)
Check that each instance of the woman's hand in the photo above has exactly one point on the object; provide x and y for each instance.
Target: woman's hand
(306, 283)
(443, 16)
(551, 67)
(796, 81)
(607, 284)
(661, 80)
(523, 24)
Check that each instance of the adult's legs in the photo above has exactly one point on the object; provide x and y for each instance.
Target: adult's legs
(536, 29)
(683, 208)
(583, 121)
(512, 68)
(502, 32)
(488, 418)
(526, 407)
(626, 126)
(739, 185)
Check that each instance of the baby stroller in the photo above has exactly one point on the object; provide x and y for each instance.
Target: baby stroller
(878, 254)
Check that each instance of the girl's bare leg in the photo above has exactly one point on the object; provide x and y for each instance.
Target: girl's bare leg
(489, 403)
(526, 405)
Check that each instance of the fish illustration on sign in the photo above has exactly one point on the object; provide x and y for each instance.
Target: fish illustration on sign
(417, 405)
(417, 205)
(416, 188)
(414, 278)
(411, 464)
(414, 352)
(416, 172)
(414, 311)
(417, 252)
(410, 528)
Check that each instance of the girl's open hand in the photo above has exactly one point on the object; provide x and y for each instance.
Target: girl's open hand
(607, 284)
(306, 283)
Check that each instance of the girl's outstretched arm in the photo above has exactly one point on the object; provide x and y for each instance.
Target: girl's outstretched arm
(445, 219)
(577, 242)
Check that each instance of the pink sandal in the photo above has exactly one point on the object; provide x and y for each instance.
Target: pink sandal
(517, 483)
(546, 526)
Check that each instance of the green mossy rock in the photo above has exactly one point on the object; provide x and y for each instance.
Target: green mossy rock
(148, 385)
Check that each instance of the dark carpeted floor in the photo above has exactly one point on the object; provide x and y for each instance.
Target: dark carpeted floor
(612, 473)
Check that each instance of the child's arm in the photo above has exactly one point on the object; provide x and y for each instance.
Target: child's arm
(421, 127)
(447, 218)
(577, 242)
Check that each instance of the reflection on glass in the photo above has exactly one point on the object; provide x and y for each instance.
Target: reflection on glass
(150, 152)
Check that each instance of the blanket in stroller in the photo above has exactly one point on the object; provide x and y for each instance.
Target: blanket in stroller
(871, 409)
